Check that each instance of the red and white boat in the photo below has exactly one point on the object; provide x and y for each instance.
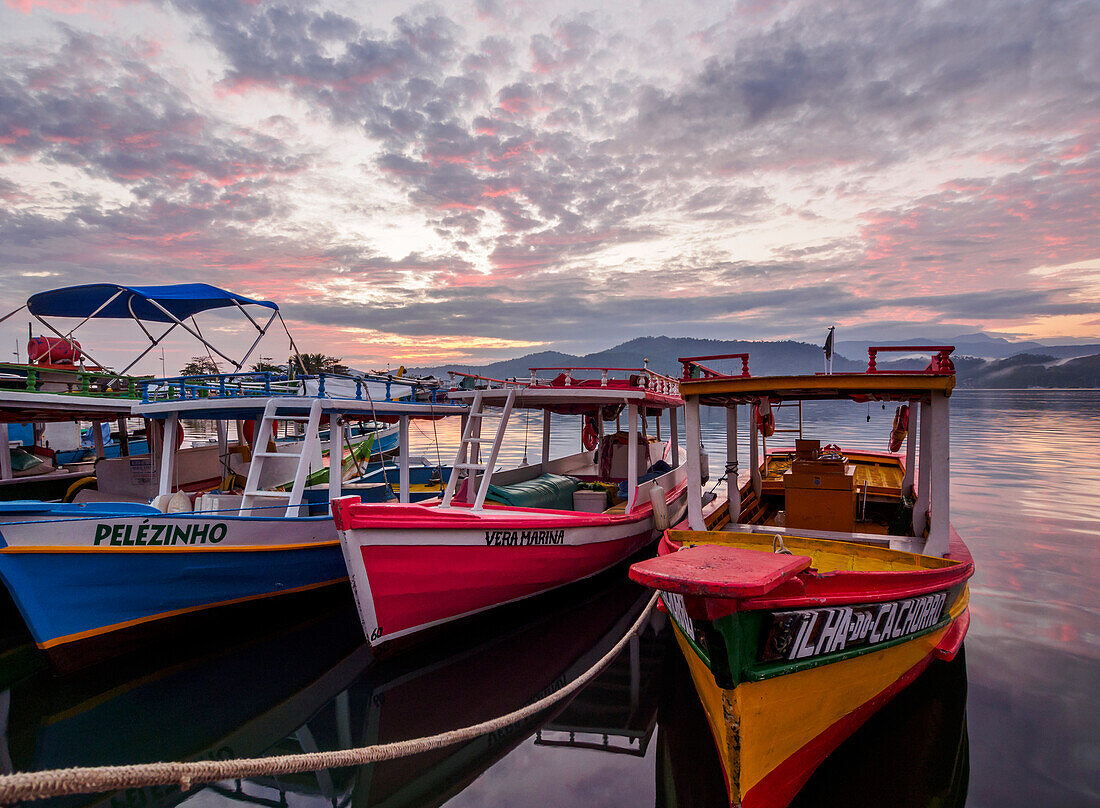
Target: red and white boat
(495, 536)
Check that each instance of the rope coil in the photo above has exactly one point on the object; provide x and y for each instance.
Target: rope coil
(27, 786)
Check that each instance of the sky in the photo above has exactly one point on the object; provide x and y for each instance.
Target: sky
(425, 183)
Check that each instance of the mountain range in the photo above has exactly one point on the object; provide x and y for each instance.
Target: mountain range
(980, 360)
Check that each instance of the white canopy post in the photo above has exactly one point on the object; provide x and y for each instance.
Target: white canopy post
(939, 532)
(403, 458)
(335, 458)
(631, 455)
(673, 435)
(924, 471)
(5, 454)
(168, 452)
(910, 452)
(733, 489)
(754, 452)
(693, 437)
(545, 439)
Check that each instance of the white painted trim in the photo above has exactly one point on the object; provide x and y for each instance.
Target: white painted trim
(939, 532)
(168, 454)
(694, 475)
(911, 450)
(754, 452)
(545, 439)
(631, 456)
(674, 436)
(336, 432)
(403, 458)
(733, 488)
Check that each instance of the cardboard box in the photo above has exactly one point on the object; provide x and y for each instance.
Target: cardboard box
(820, 502)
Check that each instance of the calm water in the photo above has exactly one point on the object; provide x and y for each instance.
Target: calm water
(1014, 722)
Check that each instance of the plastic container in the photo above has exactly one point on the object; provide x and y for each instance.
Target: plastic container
(590, 501)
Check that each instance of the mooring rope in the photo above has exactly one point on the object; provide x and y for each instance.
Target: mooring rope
(27, 786)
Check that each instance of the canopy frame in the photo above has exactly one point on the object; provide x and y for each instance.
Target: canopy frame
(172, 319)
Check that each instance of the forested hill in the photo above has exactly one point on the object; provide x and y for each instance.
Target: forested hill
(1042, 367)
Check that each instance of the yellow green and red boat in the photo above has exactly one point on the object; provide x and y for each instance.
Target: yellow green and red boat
(823, 585)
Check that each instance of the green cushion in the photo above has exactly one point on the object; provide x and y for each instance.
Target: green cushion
(22, 460)
(547, 491)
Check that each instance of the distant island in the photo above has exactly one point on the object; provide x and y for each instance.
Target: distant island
(980, 360)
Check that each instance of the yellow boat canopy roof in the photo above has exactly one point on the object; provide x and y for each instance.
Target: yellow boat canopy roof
(713, 388)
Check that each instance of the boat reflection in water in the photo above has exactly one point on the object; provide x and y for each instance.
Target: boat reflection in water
(913, 753)
(314, 686)
(188, 704)
(506, 662)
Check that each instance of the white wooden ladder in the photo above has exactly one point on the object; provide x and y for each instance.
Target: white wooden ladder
(469, 450)
(307, 448)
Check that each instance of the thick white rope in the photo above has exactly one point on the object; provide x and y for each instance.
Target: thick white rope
(27, 786)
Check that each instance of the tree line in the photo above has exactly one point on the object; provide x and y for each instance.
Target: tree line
(308, 363)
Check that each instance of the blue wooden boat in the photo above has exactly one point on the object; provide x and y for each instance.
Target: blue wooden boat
(228, 523)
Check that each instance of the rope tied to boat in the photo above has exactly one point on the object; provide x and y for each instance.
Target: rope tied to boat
(28, 786)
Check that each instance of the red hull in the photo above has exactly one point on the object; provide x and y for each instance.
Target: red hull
(416, 586)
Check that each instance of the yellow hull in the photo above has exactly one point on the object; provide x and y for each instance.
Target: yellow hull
(771, 734)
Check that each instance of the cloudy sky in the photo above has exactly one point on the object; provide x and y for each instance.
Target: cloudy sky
(469, 181)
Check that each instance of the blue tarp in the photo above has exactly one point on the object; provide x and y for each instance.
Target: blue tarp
(182, 300)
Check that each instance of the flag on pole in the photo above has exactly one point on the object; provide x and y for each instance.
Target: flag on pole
(828, 349)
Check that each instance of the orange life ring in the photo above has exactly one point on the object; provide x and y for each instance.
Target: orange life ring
(900, 428)
(590, 436)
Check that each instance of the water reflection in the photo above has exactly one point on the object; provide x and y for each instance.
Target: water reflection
(913, 753)
(191, 703)
(1025, 484)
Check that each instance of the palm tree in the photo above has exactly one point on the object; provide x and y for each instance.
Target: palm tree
(200, 366)
(314, 363)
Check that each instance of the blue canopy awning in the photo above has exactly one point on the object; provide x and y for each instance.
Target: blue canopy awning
(182, 300)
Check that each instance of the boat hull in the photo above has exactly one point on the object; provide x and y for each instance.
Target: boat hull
(771, 735)
(81, 584)
(791, 653)
(409, 576)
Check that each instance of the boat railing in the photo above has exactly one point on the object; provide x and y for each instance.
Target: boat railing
(346, 386)
(695, 369)
(638, 377)
(216, 386)
(97, 383)
(469, 381)
(941, 363)
(266, 384)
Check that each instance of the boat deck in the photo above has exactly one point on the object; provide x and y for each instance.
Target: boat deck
(879, 475)
(827, 555)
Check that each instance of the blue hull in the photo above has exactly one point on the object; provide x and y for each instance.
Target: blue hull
(137, 446)
(67, 597)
